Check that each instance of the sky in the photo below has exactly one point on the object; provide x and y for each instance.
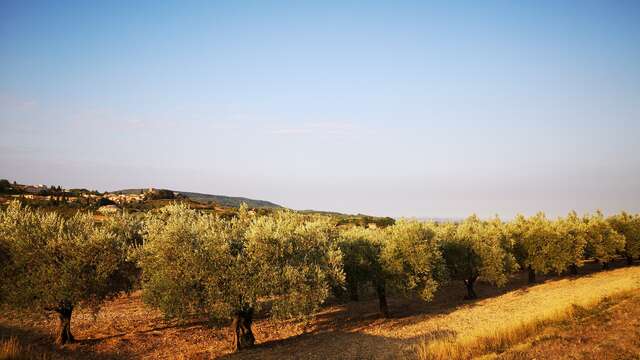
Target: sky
(397, 108)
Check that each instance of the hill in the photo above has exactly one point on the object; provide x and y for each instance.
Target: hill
(228, 201)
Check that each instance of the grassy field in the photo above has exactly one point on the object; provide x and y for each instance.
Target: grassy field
(591, 316)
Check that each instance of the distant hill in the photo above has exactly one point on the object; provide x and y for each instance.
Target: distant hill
(229, 201)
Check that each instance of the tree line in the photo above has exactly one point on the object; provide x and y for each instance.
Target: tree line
(285, 265)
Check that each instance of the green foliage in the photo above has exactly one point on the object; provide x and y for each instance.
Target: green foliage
(548, 246)
(572, 231)
(412, 258)
(603, 242)
(628, 225)
(49, 259)
(198, 263)
(361, 254)
(476, 248)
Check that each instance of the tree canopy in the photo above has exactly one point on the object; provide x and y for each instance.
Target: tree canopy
(54, 263)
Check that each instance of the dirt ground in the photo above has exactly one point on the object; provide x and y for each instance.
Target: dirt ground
(126, 329)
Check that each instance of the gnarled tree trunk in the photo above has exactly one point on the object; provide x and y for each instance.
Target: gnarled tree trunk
(532, 275)
(573, 269)
(241, 325)
(382, 298)
(471, 293)
(63, 333)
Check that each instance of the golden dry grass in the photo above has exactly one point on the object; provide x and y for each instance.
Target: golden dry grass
(126, 329)
(514, 334)
(12, 349)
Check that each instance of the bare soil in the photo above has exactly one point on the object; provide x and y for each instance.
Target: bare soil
(127, 329)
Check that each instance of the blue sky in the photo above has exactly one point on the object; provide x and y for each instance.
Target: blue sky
(427, 109)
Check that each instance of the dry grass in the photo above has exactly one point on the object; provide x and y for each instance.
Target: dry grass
(512, 334)
(126, 329)
(12, 349)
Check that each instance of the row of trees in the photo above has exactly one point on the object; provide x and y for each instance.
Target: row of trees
(285, 264)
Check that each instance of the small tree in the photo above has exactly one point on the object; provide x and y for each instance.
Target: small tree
(361, 254)
(603, 242)
(548, 246)
(572, 230)
(412, 260)
(52, 263)
(475, 249)
(629, 226)
(201, 264)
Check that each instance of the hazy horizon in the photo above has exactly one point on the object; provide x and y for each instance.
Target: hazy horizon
(387, 108)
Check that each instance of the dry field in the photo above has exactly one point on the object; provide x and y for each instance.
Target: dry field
(125, 328)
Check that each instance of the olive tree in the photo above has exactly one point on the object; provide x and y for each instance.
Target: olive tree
(476, 249)
(56, 264)
(548, 246)
(628, 225)
(572, 231)
(603, 242)
(194, 263)
(361, 255)
(411, 259)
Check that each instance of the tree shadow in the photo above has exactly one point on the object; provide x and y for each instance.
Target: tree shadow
(179, 325)
(39, 344)
(349, 345)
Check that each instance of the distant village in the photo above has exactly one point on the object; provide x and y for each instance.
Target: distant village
(103, 202)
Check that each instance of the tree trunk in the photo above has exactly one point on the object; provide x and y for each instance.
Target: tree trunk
(64, 335)
(629, 260)
(382, 299)
(573, 269)
(471, 293)
(241, 325)
(353, 290)
(605, 265)
(532, 275)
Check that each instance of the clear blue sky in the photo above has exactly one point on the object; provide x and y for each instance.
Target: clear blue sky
(427, 109)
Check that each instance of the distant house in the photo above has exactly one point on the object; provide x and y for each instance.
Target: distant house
(31, 189)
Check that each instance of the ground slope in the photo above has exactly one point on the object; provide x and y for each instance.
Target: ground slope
(125, 328)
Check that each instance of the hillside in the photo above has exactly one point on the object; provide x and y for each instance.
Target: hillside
(228, 201)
